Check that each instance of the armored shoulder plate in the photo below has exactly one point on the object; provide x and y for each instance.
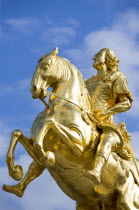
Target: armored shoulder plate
(120, 87)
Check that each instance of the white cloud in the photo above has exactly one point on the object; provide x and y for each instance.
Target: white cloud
(1, 33)
(19, 85)
(4, 137)
(3, 144)
(134, 142)
(22, 84)
(25, 25)
(59, 35)
(73, 22)
(130, 22)
(53, 32)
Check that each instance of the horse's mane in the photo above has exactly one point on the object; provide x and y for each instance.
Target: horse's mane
(66, 65)
(68, 69)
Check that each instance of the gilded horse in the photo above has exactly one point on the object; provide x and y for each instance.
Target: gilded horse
(64, 141)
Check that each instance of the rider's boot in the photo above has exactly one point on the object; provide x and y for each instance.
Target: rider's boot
(95, 173)
(103, 151)
(33, 172)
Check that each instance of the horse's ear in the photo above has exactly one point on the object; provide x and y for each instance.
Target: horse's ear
(55, 51)
(42, 58)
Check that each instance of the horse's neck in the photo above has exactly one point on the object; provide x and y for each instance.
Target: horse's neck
(72, 88)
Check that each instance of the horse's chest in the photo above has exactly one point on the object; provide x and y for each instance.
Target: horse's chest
(66, 113)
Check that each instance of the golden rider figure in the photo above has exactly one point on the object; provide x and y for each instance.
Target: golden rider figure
(109, 95)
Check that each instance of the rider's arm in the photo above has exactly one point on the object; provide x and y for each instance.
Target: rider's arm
(123, 105)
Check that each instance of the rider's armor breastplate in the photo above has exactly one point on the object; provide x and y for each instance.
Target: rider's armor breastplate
(100, 91)
(104, 90)
(101, 96)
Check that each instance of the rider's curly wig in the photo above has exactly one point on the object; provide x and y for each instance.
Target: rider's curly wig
(111, 60)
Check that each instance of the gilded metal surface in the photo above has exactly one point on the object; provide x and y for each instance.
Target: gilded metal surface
(75, 137)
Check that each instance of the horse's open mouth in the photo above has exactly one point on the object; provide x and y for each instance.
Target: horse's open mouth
(36, 94)
(39, 94)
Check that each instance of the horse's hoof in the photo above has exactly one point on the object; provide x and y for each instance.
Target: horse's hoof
(16, 173)
(94, 176)
(15, 189)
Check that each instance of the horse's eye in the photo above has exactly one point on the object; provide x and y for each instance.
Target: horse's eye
(44, 66)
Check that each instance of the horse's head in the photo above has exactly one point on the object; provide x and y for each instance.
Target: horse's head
(46, 74)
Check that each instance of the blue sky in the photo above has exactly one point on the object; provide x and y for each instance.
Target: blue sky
(80, 28)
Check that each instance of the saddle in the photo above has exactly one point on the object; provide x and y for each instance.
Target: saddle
(126, 150)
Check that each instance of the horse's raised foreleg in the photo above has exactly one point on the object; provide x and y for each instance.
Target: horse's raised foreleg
(72, 137)
(16, 172)
(47, 158)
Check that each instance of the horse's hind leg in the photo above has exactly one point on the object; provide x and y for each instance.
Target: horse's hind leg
(33, 172)
(99, 206)
(82, 206)
(128, 198)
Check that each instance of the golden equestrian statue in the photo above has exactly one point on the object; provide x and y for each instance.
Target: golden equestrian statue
(75, 137)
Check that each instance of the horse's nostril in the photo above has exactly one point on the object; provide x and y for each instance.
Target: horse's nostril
(34, 88)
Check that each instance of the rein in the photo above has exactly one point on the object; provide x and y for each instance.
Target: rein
(88, 113)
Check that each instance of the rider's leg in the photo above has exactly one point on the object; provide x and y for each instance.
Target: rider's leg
(33, 172)
(109, 141)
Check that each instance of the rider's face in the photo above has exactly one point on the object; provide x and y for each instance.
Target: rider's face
(99, 60)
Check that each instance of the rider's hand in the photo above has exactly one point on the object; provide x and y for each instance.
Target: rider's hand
(99, 116)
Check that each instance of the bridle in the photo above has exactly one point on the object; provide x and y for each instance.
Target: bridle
(90, 115)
